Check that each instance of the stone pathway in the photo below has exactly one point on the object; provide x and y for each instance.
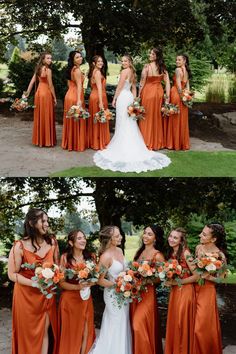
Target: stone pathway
(19, 158)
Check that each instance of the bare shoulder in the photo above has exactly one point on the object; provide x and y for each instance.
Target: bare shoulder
(106, 259)
(159, 257)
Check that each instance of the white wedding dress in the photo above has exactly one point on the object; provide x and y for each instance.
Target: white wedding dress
(127, 151)
(115, 333)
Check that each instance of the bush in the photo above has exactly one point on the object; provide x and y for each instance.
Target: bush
(3, 273)
(216, 89)
(1, 86)
(232, 91)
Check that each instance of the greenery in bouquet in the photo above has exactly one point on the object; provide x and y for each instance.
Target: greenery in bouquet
(212, 264)
(187, 97)
(84, 271)
(168, 109)
(77, 112)
(170, 270)
(103, 116)
(135, 110)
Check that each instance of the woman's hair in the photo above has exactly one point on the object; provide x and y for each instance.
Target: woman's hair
(159, 240)
(182, 246)
(71, 64)
(69, 249)
(133, 75)
(218, 231)
(92, 66)
(160, 63)
(105, 236)
(187, 66)
(40, 63)
(30, 232)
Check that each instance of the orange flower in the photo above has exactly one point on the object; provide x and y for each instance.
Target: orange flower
(47, 265)
(169, 274)
(83, 274)
(135, 264)
(128, 286)
(130, 272)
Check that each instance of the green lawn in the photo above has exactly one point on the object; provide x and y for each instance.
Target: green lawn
(131, 246)
(184, 164)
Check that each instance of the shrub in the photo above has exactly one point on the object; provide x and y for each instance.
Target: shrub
(1, 86)
(232, 91)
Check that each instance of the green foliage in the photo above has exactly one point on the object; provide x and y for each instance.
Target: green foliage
(232, 91)
(216, 89)
(3, 273)
(1, 86)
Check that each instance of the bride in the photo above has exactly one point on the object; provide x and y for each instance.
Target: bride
(127, 151)
(115, 332)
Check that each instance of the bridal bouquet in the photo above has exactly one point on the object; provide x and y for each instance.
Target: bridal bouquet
(103, 116)
(187, 97)
(21, 104)
(168, 109)
(77, 112)
(210, 263)
(135, 110)
(128, 288)
(46, 277)
(169, 270)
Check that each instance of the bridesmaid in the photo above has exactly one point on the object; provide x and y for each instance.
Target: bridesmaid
(75, 314)
(144, 315)
(151, 93)
(181, 308)
(178, 127)
(98, 133)
(44, 131)
(74, 132)
(32, 313)
(207, 332)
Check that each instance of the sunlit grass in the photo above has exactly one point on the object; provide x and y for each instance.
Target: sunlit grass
(131, 246)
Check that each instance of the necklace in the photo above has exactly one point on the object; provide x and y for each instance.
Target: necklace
(79, 258)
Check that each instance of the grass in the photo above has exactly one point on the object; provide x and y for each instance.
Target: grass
(231, 278)
(131, 246)
(184, 164)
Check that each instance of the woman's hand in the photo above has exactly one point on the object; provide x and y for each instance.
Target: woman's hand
(55, 101)
(78, 103)
(114, 102)
(101, 106)
(167, 100)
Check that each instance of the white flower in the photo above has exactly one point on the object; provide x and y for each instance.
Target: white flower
(162, 275)
(122, 288)
(121, 274)
(38, 270)
(47, 273)
(127, 277)
(127, 294)
(210, 267)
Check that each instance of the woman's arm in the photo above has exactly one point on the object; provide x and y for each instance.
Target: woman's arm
(14, 266)
(31, 84)
(51, 87)
(143, 78)
(178, 74)
(105, 261)
(56, 252)
(167, 88)
(98, 81)
(78, 81)
(123, 77)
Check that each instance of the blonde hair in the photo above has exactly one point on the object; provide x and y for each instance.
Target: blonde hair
(105, 236)
(133, 71)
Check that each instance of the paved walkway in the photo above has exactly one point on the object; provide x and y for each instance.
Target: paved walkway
(19, 158)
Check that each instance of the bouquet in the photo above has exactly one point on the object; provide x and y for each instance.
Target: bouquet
(128, 287)
(77, 112)
(21, 104)
(103, 116)
(145, 270)
(169, 270)
(46, 277)
(187, 97)
(84, 271)
(135, 110)
(210, 263)
(168, 109)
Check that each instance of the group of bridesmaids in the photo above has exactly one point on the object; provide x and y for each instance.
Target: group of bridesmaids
(193, 322)
(170, 132)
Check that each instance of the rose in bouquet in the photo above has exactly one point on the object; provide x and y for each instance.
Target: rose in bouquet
(169, 270)
(187, 97)
(128, 288)
(46, 277)
(21, 104)
(135, 110)
(145, 270)
(103, 116)
(210, 263)
(77, 112)
(168, 109)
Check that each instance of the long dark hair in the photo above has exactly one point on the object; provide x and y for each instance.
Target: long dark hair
(160, 63)
(40, 63)
(30, 232)
(159, 240)
(182, 246)
(218, 231)
(69, 249)
(92, 66)
(70, 63)
(187, 65)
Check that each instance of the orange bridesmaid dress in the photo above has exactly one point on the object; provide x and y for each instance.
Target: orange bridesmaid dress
(98, 133)
(152, 126)
(73, 314)
(44, 131)
(178, 126)
(29, 311)
(145, 324)
(74, 132)
(181, 316)
(207, 332)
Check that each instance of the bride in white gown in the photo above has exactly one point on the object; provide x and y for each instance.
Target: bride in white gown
(127, 151)
(115, 333)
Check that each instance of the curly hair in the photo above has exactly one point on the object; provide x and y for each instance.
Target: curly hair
(105, 236)
(159, 240)
(69, 249)
(70, 63)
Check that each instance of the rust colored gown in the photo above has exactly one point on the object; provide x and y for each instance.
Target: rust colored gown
(178, 126)
(152, 126)
(180, 318)
(207, 332)
(145, 324)
(73, 314)
(74, 132)
(44, 131)
(29, 311)
(98, 133)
